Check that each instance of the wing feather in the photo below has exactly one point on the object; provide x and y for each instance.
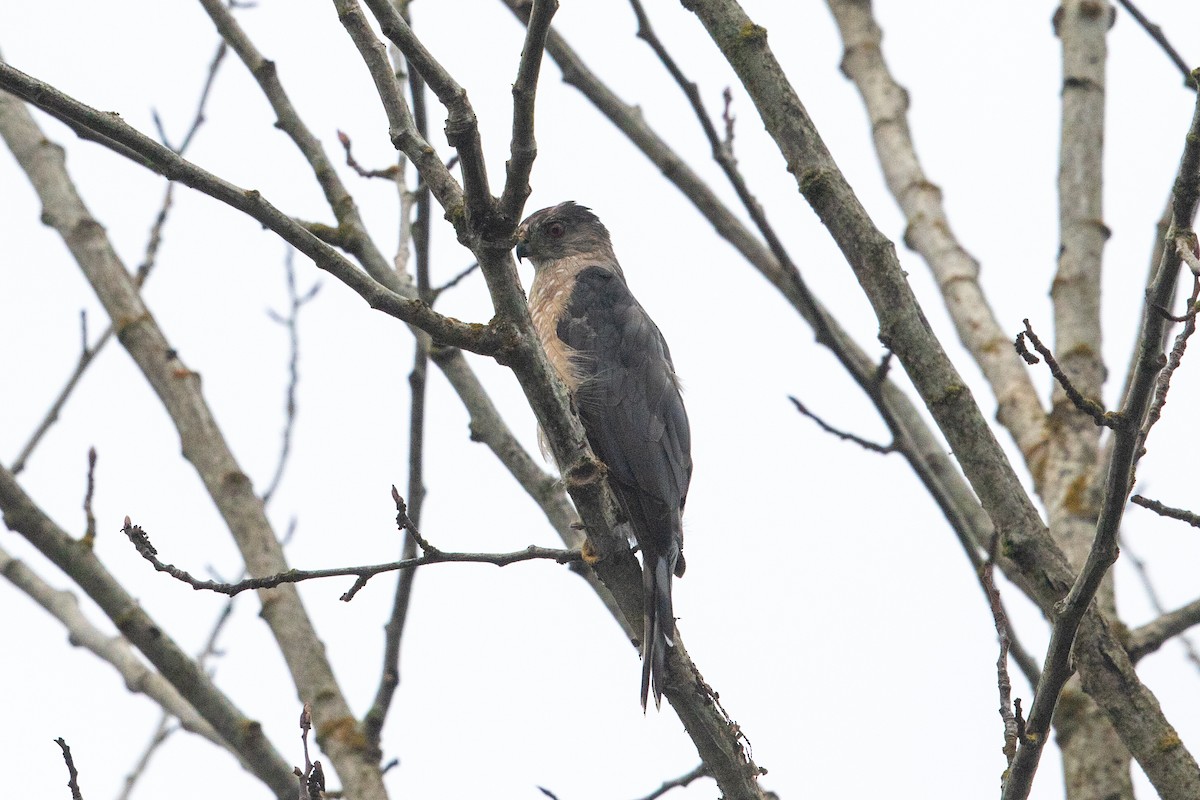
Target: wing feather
(630, 403)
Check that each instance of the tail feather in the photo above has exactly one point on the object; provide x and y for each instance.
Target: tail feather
(659, 627)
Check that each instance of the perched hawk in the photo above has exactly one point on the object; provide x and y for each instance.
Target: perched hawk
(616, 365)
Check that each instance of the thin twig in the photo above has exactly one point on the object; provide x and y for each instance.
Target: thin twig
(312, 777)
(88, 353)
(364, 573)
(1153, 635)
(462, 127)
(1167, 315)
(1089, 407)
(73, 782)
(436, 292)
(987, 575)
(677, 783)
(1163, 384)
(1143, 571)
(1167, 511)
(482, 339)
(843, 435)
(198, 118)
(523, 147)
(418, 230)
(402, 127)
(296, 301)
(89, 534)
(1156, 33)
(387, 173)
(163, 731)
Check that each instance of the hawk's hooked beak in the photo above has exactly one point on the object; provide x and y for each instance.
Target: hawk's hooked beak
(522, 249)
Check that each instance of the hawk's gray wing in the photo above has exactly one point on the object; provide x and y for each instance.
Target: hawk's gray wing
(629, 402)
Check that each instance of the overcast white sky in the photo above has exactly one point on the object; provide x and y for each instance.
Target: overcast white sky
(826, 600)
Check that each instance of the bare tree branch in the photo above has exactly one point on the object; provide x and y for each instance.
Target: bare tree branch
(462, 275)
(244, 735)
(167, 722)
(1163, 384)
(462, 128)
(418, 231)
(1156, 33)
(929, 232)
(290, 322)
(89, 352)
(364, 573)
(843, 435)
(73, 782)
(1180, 514)
(1168, 775)
(202, 442)
(1087, 406)
(89, 533)
(1003, 683)
(114, 650)
(678, 783)
(904, 329)
(1138, 646)
(387, 173)
(1150, 637)
(523, 146)
(477, 338)
(162, 732)
(404, 134)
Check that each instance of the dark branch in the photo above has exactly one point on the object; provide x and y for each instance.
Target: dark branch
(364, 573)
(1156, 33)
(478, 338)
(89, 534)
(1150, 637)
(1126, 449)
(462, 127)
(1163, 384)
(1167, 511)
(987, 575)
(843, 435)
(1089, 407)
(678, 783)
(73, 781)
(312, 777)
(387, 173)
(1153, 635)
(455, 281)
(523, 148)
(403, 129)
(389, 678)
(296, 301)
(198, 118)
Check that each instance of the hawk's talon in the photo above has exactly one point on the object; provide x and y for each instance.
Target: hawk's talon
(591, 556)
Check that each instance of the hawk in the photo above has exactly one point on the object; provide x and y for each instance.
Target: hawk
(616, 365)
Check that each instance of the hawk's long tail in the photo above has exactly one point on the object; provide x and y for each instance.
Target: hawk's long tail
(659, 628)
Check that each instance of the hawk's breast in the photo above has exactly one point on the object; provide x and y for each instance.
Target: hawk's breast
(549, 299)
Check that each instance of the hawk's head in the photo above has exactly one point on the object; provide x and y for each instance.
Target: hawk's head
(563, 231)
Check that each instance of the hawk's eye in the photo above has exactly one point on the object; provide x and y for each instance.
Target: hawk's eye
(556, 230)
